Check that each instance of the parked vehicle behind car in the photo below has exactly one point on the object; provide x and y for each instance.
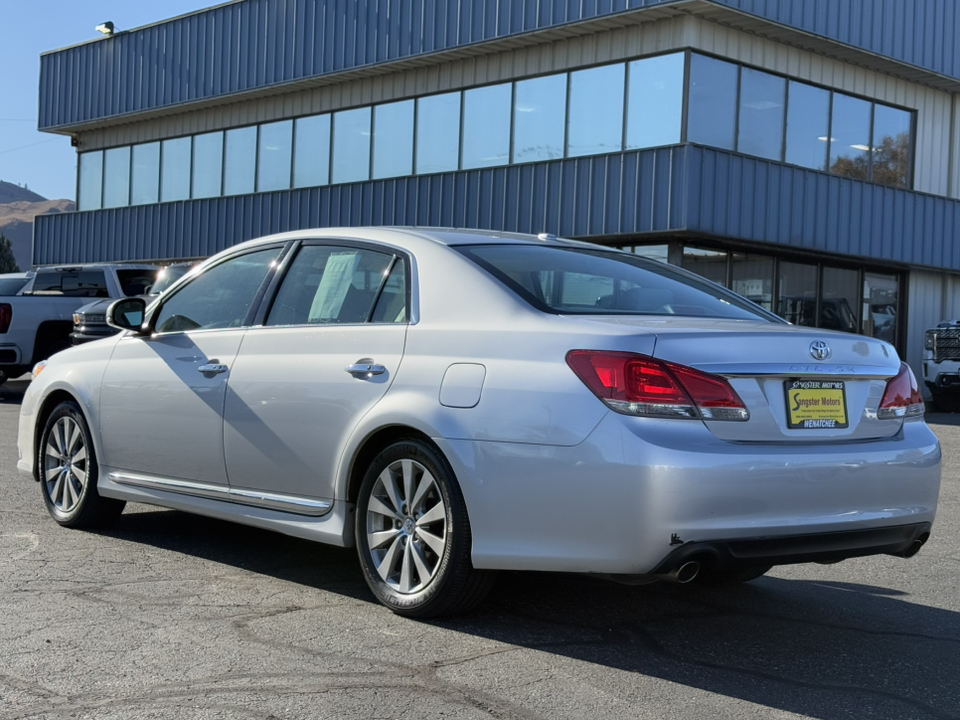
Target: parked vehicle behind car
(36, 323)
(12, 283)
(90, 320)
(455, 402)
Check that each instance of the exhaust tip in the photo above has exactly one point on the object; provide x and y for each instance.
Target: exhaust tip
(914, 547)
(687, 572)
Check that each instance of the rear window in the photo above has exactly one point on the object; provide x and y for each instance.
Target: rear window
(582, 281)
(135, 282)
(11, 286)
(75, 283)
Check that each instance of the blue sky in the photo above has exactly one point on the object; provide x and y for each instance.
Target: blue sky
(44, 162)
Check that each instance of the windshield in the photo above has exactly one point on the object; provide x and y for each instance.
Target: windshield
(135, 282)
(583, 281)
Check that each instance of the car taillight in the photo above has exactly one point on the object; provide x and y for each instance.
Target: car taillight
(6, 315)
(902, 398)
(635, 384)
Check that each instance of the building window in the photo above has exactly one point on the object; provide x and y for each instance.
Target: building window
(595, 118)
(207, 165)
(712, 112)
(763, 100)
(116, 177)
(175, 169)
(808, 126)
(393, 139)
(797, 301)
(892, 145)
(711, 264)
(839, 304)
(654, 101)
(311, 155)
(752, 277)
(880, 305)
(351, 145)
(486, 126)
(850, 137)
(438, 133)
(91, 181)
(539, 118)
(240, 161)
(275, 156)
(145, 177)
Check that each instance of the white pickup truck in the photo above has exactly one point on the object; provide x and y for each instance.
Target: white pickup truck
(37, 321)
(941, 364)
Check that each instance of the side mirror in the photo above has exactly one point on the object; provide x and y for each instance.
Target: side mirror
(127, 314)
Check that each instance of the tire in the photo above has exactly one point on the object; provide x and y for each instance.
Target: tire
(416, 559)
(741, 574)
(67, 469)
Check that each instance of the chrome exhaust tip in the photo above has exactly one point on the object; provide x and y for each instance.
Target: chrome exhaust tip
(686, 572)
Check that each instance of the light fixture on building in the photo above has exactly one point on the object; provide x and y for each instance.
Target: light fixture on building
(106, 28)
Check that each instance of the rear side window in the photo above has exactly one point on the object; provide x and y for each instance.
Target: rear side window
(74, 283)
(135, 282)
(11, 286)
(581, 281)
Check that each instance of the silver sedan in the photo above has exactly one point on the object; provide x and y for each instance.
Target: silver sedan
(456, 402)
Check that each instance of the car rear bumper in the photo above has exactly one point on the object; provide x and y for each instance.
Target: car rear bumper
(638, 492)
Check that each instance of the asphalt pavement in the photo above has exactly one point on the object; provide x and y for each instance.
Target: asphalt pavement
(168, 615)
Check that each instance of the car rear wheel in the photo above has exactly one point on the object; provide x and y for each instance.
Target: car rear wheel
(68, 471)
(413, 534)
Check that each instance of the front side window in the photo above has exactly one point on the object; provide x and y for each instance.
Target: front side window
(219, 297)
(574, 281)
(336, 285)
(135, 281)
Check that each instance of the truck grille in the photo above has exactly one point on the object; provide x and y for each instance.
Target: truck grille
(947, 345)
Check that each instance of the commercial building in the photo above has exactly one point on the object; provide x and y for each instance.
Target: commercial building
(802, 152)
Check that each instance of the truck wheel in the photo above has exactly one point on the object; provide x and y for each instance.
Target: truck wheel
(943, 402)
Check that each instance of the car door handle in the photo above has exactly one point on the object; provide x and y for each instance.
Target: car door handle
(365, 369)
(212, 368)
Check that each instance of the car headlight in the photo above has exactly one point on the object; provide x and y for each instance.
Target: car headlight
(930, 340)
(77, 317)
(37, 369)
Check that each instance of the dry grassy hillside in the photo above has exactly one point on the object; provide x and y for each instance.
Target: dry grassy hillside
(18, 208)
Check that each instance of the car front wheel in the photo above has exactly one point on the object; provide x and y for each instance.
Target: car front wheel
(413, 534)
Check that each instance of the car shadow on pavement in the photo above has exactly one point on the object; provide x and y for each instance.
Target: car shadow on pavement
(822, 649)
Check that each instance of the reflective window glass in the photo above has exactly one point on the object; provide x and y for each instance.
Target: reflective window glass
(539, 118)
(91, 181)
(850, 137)
(351, 145)
(391, 307)
(207, 164)
(116, 177)
(879, 314)
(753, 277)
(393, 139)
(240, 161)
(73, 283)
(220, 297)
(808, 126)
(661, 253)
(275, 156)
(891, 146)
(798, 293)
(175, 169)
(711, 264)
(311, 160)
(712, 113)
(654, 101)
(762, 103)
(486, 126)
(145, 183)
(595, 124)
(839, 301)
(327, 285)
(438, 133)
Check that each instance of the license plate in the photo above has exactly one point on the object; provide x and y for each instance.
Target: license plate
(816, 404)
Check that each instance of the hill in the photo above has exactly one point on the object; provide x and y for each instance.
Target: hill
(18, 208)
(14, 193)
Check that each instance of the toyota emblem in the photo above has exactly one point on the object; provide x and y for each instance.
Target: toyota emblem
(820, 350)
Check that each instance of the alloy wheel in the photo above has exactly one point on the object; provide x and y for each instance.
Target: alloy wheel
(65, 464)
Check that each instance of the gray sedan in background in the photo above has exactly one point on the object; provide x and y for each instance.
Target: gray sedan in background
(455, 402)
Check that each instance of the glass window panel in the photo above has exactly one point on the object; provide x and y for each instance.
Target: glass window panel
(892, 146)
(311, 160)
(753, 277)
(91, 180)
(438, 133)
(351, 145)
(711, 264)
(879, 316)
(392, 304)
(145, 183)
(654, 101)
(840, 300)
(175, 169)
(712, 115)
(850, 137)
(220, 297)
(486, 126)
(596, 111)
(798, 293)
(393, 139)
(240, 161)
(207, 164)
(762, 104)
(275, 156)
(116, 177)
(661, 253)
(808, 126)
(539, 118)
(73, 283)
